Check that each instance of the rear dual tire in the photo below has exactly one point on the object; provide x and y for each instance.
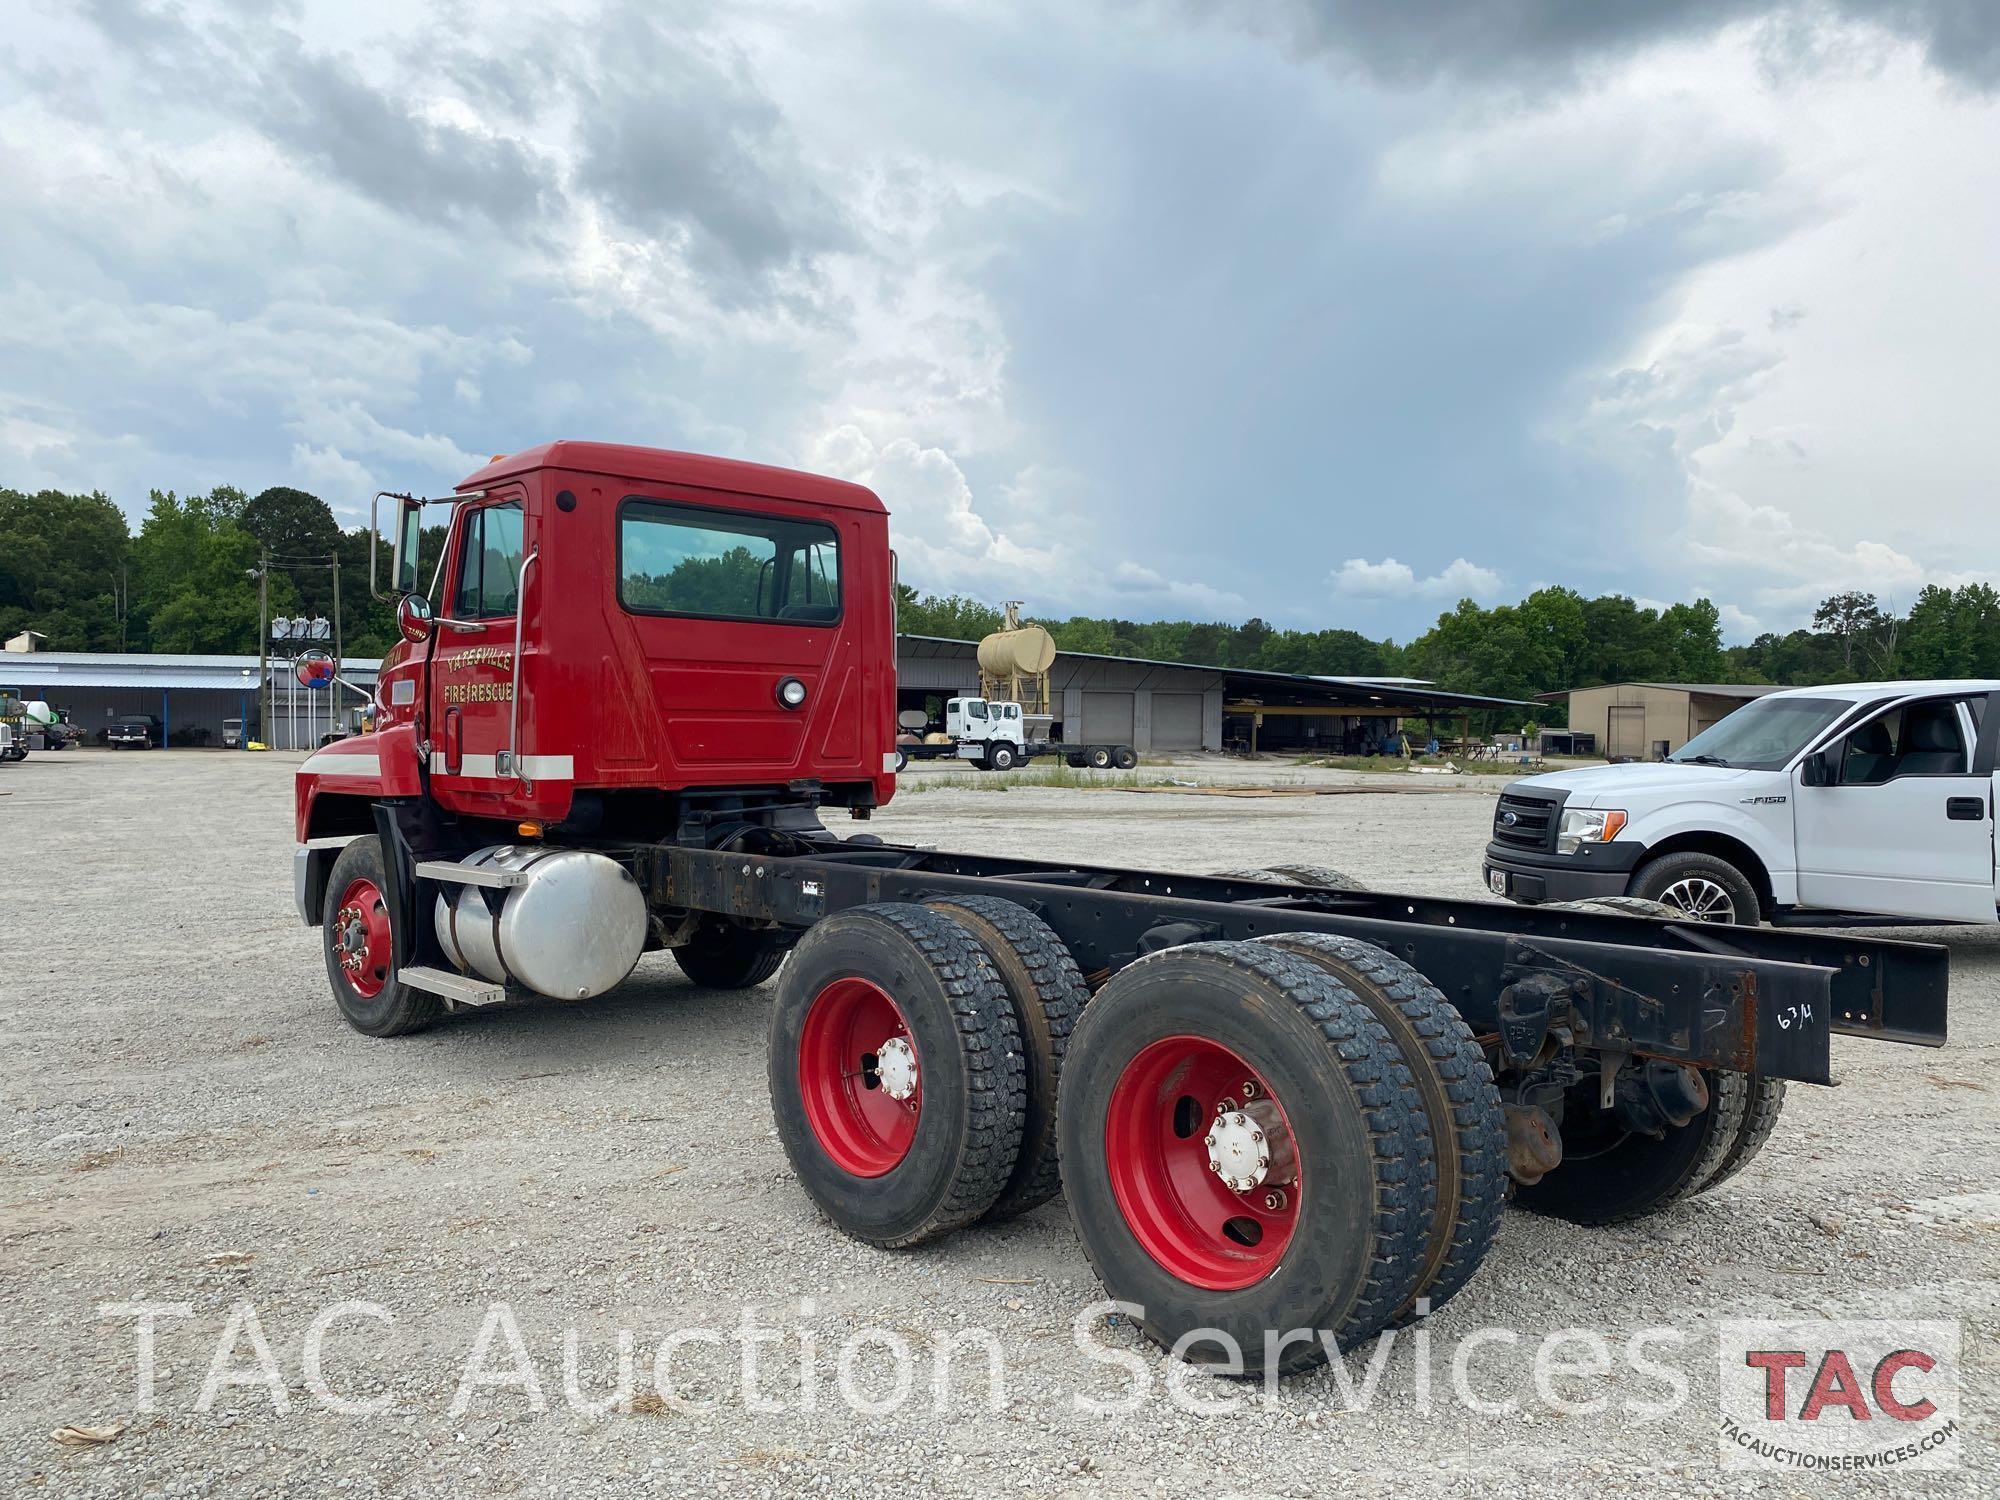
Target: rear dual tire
(1155, 1117)
(897, 1076)
(1610, 1175)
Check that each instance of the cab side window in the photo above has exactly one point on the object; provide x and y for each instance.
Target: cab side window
(1917, 739)
(489, 563)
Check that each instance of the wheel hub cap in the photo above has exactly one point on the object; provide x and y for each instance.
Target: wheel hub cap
(896, 1065)
(1249, 1146)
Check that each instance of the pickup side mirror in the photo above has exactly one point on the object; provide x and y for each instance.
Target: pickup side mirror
(1816, 770)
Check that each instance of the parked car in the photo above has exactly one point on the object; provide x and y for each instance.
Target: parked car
(134, 732)
(1811, 807)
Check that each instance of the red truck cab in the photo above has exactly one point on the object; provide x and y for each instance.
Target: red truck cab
(613, 632)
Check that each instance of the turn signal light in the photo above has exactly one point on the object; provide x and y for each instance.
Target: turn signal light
(528, 830)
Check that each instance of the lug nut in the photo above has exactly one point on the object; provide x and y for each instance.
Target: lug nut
(1274, 1200)
(1249, 1090)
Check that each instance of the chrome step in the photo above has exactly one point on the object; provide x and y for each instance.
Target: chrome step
(459, 989)
(451, 870)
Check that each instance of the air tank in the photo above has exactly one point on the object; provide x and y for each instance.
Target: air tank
(1026, 652)
(572, 929)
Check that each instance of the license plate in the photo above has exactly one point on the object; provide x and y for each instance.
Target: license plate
(1497, 881)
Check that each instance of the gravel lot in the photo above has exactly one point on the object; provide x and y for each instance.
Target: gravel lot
(188, 1121)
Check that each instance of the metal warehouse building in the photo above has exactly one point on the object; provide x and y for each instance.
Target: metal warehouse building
(189, 695)
(1646, 720)
(1163, 705)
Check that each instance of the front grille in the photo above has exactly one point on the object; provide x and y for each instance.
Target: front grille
(1526, 822)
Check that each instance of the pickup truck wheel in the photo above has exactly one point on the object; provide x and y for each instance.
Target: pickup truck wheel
(902, 760)
(359, 943)
(727, 956)
(897, 1080)
(1048, 993)
(1000, 757)
(1240, 1145)
(1466, 1128)
(1701, 887)
(1610, 1175)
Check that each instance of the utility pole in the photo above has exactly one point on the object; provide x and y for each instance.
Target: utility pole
(263, 647)
(333, 692)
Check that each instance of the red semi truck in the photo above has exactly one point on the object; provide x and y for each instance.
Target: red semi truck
(1279, 1107)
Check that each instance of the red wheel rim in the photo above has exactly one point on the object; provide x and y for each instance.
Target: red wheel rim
(1170, 1102)
(856, 1056)
(361, 940)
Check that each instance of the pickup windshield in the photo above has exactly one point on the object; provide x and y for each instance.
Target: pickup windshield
(1763, 735)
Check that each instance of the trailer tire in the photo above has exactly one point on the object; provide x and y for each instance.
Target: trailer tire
(1328, 1254)
(1620, 906)
(1760, 1117)
(729, 956)
(883, 1170)
(1311, 875)
(1467, 1128)
(1099, 757)
(1124, 757)
(358, 939)
(1693, 883)
(1631, 1176)
(1048, 994)
(1075, 760)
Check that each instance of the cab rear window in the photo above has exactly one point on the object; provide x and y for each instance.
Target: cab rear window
(676, 559)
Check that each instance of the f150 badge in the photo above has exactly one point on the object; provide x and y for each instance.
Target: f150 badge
(1777, 801)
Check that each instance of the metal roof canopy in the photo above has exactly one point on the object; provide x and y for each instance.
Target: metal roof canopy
(132, 669)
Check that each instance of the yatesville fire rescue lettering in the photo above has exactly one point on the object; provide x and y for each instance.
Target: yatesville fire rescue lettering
(478, 692)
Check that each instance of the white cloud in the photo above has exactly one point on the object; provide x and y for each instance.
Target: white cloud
(1357, 578)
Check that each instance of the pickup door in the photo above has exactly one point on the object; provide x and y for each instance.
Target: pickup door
(1905, 826)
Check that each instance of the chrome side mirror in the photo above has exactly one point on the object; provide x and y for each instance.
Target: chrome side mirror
(414, 619)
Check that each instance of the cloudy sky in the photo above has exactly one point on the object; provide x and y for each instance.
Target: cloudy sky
(1328, 310)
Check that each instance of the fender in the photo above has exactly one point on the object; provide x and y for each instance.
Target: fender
(1772, 845)
(362, 767)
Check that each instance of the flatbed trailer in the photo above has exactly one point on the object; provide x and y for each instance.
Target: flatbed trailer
(980, 754)
(1284, 1111)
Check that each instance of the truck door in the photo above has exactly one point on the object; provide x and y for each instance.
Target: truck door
(473, 675)
(1905, 825)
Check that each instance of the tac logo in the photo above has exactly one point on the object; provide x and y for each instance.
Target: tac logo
(1840, 1396)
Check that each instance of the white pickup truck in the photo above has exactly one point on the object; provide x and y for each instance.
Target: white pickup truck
(1863, 802)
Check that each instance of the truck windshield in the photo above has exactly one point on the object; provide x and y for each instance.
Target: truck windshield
(1762, 736)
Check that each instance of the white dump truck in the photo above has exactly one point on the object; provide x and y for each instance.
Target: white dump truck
(1857, 803)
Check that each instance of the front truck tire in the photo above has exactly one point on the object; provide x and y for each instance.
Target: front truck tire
(1461, 1103)
(897, 1077)
(1048, 994)
(357, 936)
(1241, 1149)
(1699, 887)
(726, 955)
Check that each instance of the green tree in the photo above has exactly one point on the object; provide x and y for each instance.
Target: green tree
(63, 562)
(191, 575)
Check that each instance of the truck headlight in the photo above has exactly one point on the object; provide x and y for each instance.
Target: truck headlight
(1588, 826)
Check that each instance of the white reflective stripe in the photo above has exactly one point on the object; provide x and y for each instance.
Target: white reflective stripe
(889, 761)
(332, 763)
(487, 767)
